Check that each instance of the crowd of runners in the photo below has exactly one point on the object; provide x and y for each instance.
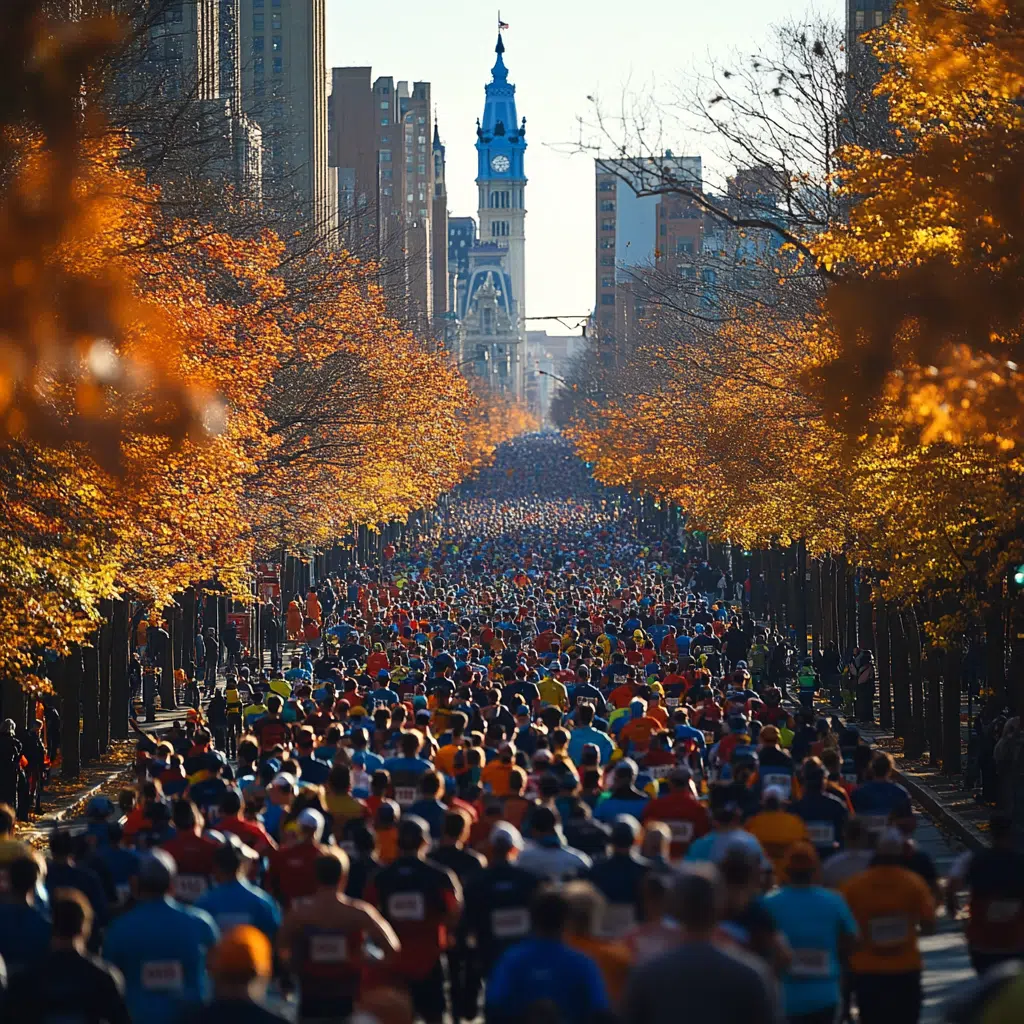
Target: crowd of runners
(537, 767)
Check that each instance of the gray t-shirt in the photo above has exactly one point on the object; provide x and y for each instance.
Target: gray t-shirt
(701, 981)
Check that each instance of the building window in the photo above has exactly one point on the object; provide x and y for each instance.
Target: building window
(607, 282)
(384, 104)
(607, 243)
(278, 65)
(257, 5)
(688, 273)
(607, 205)
(387, 190)
(662, 230)
(257, 44)
(422, 140)
(275, 43)
(858, 20)
(607, 225)
(423, 212)
(879, 18)
(275, 21)
(257, 22)
(606, 186)
(421, 120)
(386, 174)
(684, 245)
(275, 3)
(421, 168)
(385, 156)
(608, 299)
(708, 276)
(257, 66)
(384, 122)
(607, 261)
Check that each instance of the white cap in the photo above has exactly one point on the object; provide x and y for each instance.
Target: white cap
(774, 793)
(543, 755)
(506, 835)
(285, 780)
(310, 817)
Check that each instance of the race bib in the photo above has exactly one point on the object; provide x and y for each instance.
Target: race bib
(163, 976)
(328, 949)
(779, 781)
(660, 771)
(360, 780)
(188, 888)
(671, 702)
(619, 918)
(1002, 911)
(874, 822)
(682, 831)
(407, 906)
(405, 795)
(891, 930)
(810, 963)
(511, 923)
(124, 893)
(821, 833)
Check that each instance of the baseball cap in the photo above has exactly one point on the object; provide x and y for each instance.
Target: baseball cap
(157, 869)
(658, 689)
(522, 710)
(284, 780)
(505, 836)
(310, 817)
(773, 793)
(99, 807)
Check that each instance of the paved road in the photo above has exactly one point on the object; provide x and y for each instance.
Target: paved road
(945, 953)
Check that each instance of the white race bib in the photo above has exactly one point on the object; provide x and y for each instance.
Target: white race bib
(328, 949)
(1002, 911)
(779, 780)
(682, 831)
(671, 702)
(407, 906)
(405, 795)
(874, 822)
(891, 930)
(163, 976)
(809, 963)
(660, 771)
(188, 888)
(511, 923)
(821, 833)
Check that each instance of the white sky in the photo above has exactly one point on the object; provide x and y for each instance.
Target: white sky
(558, 53)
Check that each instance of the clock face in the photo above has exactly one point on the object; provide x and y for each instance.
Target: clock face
(500, 164)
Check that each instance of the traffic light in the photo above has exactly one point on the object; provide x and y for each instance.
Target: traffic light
(1018, 575)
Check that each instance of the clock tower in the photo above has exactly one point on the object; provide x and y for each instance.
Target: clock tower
(501, 179)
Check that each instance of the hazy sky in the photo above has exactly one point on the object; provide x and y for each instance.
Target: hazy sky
(558, 53)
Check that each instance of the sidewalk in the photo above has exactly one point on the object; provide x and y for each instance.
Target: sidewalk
(64, 801)
(954, 808)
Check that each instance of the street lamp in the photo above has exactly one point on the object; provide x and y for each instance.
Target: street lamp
(544, 373)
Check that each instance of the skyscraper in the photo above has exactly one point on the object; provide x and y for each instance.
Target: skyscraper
(439, 228)
(284, 87)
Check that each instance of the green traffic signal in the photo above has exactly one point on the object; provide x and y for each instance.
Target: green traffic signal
(1018, 576)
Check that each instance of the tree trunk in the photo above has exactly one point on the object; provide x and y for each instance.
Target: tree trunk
(995, 644)
(932, 668)
(900, 675)
(914, 746)
(105, 647)
(120, 690)
(865, 626)
(883, 664)
(814, 564)
(801, 598)
(188, 629)
(951, 711)
(90, 746)
(167, 701)
(70, 714)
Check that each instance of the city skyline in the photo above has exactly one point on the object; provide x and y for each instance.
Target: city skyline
(559, 56)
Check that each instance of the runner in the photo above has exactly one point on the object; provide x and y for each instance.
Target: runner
(322, 941)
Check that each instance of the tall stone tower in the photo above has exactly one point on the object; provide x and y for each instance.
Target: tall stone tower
(501, 181)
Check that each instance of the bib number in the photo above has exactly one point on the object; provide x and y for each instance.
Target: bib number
(660, 771)
(328, 949)
(682, 831)
(407, 906)
(188, 888)
(821, 833)
(405, 795)
(511, 923)
(163, 976)
(892, 930)
(779, 781)
(809, 963)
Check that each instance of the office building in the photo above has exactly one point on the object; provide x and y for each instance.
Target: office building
(284, 89)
